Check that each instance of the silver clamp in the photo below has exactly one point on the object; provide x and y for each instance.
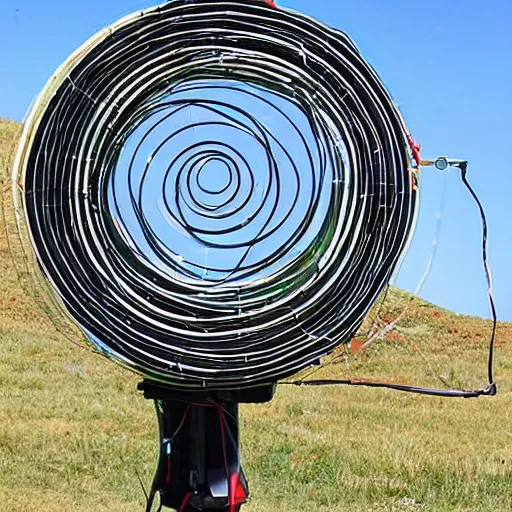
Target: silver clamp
(442, 163)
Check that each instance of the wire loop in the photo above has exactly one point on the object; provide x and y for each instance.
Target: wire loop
(216, 191)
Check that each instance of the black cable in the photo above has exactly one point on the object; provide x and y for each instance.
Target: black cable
(252, 279)
(491, 389)
(490, 364)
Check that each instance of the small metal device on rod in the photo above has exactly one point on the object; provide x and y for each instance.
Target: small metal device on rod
(441, 163)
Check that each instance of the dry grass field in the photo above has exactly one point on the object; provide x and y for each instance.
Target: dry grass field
(74, 432)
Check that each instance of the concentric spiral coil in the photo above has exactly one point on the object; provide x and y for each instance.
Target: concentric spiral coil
(217, 192)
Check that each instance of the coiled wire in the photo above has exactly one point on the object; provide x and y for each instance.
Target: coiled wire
(245, 278)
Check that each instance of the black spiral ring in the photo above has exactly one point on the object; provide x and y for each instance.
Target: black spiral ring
(242, 281)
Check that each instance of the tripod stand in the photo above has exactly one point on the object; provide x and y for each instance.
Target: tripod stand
(199, 465)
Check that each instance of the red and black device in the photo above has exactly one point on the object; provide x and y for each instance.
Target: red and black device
(199, 466)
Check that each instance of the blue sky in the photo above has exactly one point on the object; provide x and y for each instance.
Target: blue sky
(448, 67)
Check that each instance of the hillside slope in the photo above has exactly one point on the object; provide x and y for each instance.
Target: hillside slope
(74, 433)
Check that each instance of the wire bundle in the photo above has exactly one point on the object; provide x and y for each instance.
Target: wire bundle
(245, 278)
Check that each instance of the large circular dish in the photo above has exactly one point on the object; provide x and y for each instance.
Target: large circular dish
(217, 192)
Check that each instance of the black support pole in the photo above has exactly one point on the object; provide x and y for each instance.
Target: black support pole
(199, 466)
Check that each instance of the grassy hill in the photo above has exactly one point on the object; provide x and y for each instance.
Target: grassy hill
(74, 432)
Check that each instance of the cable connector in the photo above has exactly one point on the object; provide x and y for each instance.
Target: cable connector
(415, 149)
(441, 163)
